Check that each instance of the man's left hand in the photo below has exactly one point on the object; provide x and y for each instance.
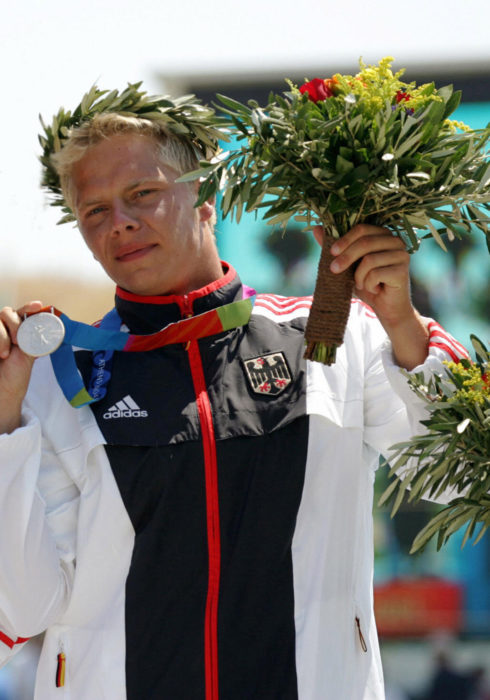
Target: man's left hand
(382, 280)
(381, 277)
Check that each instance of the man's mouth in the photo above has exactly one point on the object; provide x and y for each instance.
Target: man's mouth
(132, 252)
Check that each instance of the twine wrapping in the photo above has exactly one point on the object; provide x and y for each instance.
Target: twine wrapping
(330, 309)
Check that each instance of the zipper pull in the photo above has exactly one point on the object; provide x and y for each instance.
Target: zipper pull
(186, 307)
(60, 669)
(361, 636)
(187, 313)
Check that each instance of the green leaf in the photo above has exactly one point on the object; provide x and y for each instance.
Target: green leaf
(207, 190)
(335, 204)
(193, 175)
(407, 145)
(425, 534)
(280, 218)
(436, 235)
(445, 92)
(388, 492)
(342, 165)
(481, 352)
(403, 486)
(346, 153)
(453, 103)
(483, 529)
(411, 233)
(362, 172)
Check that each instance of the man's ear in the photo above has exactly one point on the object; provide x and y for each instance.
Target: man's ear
(207, 210)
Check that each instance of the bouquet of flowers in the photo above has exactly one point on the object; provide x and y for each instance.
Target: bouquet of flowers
(349, 149)
(453, 455)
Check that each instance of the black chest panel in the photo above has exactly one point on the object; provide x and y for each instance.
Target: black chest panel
(150, 421)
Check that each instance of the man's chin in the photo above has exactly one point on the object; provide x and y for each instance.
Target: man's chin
(140, 284)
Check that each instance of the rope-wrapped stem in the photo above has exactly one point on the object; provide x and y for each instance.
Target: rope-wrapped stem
(330, 309)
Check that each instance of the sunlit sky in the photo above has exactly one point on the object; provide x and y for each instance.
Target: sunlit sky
(52, 51)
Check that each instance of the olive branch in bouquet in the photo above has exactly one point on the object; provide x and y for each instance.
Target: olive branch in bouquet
(184, 116)
(452, 457)
(349, 149)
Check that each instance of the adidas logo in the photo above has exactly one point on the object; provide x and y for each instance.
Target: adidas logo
(126, 408)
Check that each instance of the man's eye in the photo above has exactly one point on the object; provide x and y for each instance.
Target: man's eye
(94, 211)
(142, 193)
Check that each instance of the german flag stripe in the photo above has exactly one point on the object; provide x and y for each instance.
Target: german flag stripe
(60, 670)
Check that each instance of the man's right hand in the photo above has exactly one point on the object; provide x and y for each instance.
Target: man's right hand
(15, 366)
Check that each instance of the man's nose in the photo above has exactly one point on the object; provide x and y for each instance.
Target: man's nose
(123, 219)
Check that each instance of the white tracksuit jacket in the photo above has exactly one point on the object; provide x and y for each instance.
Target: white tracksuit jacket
(67, 540)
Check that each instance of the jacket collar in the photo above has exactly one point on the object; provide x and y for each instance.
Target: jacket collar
(147, 314)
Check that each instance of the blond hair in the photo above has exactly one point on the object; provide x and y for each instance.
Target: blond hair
(175, 151)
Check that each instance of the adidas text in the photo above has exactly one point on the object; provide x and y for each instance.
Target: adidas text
(125, 408)
(126, 413)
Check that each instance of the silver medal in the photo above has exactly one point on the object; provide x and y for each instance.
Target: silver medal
(40, 334)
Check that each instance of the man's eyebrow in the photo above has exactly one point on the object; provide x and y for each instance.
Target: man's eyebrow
(144, 181)
(132, 186)
(89, 203)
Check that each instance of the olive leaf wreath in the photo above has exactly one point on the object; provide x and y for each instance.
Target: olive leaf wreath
(185, 116)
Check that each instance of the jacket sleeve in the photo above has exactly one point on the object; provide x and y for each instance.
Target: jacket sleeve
(393, 411)
(442, 347)
(39, 507)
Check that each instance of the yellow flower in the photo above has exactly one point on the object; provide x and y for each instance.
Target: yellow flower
(453, 124)
(476, 386)
(376, 85)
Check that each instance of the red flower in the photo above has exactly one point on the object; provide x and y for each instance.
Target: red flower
(332, 85)
(316, 90)
(401, 95)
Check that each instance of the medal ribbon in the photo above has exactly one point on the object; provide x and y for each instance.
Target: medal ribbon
(107, 338)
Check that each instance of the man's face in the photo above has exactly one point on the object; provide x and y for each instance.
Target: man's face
(138, 222)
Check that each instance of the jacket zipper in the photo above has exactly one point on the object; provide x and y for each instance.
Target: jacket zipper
(212, 515)
(361, 636)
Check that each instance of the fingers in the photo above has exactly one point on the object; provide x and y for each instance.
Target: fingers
(31, 307)
(358, 232)
(388, 267)
(10, 320)
(361, 241)
(382, 259)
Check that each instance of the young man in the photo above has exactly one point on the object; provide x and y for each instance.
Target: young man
(204, 530)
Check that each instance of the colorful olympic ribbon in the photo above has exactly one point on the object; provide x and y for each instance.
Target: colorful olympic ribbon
(107, 338)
